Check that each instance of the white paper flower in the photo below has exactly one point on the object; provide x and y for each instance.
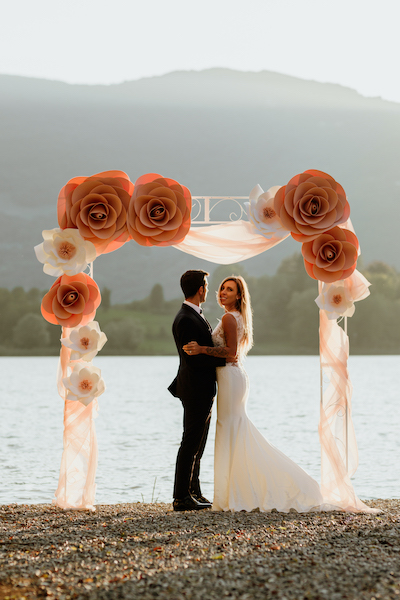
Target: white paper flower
(64, 251)
(85, 342)
(262, 214)
(336, 300)
(84, 384)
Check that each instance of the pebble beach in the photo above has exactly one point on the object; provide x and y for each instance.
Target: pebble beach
(147, 551)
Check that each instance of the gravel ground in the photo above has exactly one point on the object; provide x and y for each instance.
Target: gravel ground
(147, 551)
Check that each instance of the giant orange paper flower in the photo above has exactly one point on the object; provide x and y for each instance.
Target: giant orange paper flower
(159, 211)
(310, 204)
(72, 300)
(332, 255)
(97, 206)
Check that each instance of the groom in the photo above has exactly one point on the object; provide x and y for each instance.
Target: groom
(195, 385)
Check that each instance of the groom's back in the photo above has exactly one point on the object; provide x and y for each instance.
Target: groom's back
(196, 374)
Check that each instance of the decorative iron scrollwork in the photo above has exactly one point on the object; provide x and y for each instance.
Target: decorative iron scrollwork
(203, 206)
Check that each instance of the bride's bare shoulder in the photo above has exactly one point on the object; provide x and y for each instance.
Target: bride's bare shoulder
(229, 319)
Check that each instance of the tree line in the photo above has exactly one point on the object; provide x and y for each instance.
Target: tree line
(285, 316)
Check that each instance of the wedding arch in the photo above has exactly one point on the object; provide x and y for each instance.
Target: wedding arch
(100, 213)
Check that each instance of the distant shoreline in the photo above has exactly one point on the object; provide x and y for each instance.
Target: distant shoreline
(380, 503)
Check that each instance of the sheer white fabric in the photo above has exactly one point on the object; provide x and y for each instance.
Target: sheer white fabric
(227, 243)
(339, 455)
(76, 483)
(249, 472)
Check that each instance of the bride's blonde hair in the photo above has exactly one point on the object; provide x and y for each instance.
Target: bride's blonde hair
(243, 305)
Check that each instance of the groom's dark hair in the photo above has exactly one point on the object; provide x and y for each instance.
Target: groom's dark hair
(191, 281)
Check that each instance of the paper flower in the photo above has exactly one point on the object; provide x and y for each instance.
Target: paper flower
(71, 300)
(159, 211)
(64, 251)
(262, 214)
(338, 298)
(335, 300)
(85, 342)
(332, 255)
(84, 384)
(310, 204)
(97, 207)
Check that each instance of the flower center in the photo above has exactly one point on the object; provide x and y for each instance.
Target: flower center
(314, 207)
(66, 250)
(269, 213)
(85, 342)
(329, 252)
(98, 212)
(86, 385)
(157, 212)
(70, 298)
(337, 298)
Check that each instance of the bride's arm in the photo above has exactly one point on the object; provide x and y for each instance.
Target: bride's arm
(228, 351)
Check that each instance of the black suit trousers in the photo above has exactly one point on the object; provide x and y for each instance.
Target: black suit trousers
(196, 423)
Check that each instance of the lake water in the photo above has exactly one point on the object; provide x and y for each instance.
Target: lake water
(139, 424)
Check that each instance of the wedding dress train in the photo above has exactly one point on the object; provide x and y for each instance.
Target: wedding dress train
(249, 472)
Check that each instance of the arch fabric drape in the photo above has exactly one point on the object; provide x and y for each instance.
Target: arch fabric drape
(229, 243)
(339, 454)
(76, 483)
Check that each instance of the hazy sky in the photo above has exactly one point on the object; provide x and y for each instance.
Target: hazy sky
(352, 42)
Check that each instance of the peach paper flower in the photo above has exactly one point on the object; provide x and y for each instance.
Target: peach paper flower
(310, 204)
(262, 214)
(64, 251)
(84, 384)
(332, 255)
(85, 342)
(159, 211)
(97, 206)
(71, 300)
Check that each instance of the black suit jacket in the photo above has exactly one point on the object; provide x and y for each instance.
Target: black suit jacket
(196, 378)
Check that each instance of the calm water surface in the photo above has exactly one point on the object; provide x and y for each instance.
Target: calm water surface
(139, 424)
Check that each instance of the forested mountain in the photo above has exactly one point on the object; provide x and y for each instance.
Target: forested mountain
(217, 131)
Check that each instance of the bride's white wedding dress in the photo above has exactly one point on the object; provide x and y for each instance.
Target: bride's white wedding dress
(249, 472)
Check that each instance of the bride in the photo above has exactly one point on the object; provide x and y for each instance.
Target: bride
(249, 472)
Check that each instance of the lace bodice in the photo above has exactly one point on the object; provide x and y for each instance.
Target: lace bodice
(218, 335)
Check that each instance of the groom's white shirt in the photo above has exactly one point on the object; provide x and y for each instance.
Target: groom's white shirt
(196, 308)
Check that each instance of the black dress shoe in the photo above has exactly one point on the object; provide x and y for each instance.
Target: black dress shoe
(189, 503)
(200, 498)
